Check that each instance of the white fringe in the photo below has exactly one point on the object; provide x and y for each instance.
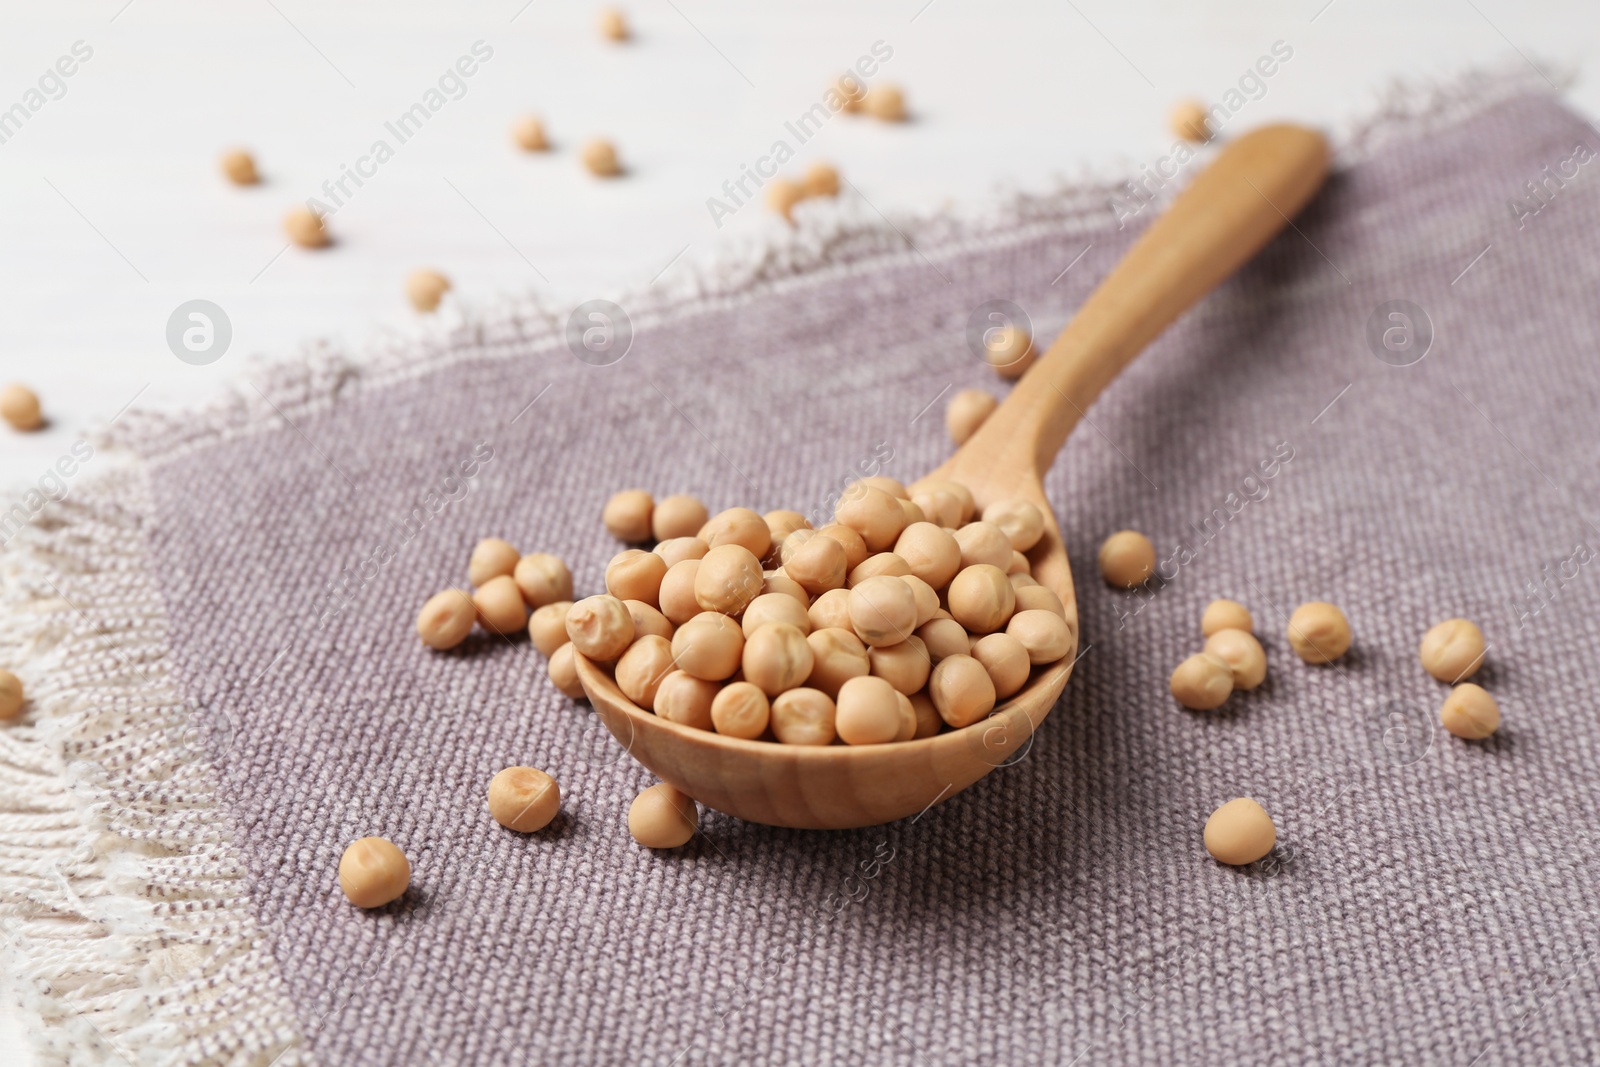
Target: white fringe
(128, 928)
(127, 924)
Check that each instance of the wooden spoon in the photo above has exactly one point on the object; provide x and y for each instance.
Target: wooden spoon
(1229, 212)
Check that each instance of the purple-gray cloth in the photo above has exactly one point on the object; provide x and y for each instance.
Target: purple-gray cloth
(1430, 899)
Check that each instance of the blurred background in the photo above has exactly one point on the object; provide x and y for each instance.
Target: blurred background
(116, 211)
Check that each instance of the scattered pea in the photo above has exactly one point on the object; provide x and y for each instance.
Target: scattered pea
(961, 690)
(426, 288)
(444, 621)
(686, 700)
(1127, 559)
(851, 92)
(501, 609)
(912, 513)
(599, 627)
(240, 167)
(491, 558)
(373, 872)
(821, 180)
(563, 672)
(803, 716)
(636, 575)
(1470, 712)
(11, 696)
(528, 132)
(1453, 650)
(709, 646)
(641, 668)
(1319, 632)
(600, 158)
(679, 515)
(627, 515)
(543, 579)
(1226, 615)
(1006, 661)
(523, 799)
(1009, 352)
(613, 24)
(19, 406)
(547, 627)
(741, 709)
(1189, 121)
(663, 817)
(867, 712)
(1242, 653)
(305, 228)
(1202, 682)
(783, 195)
(981, 598)
(1240, 832)
(885, 102)
(967, 411)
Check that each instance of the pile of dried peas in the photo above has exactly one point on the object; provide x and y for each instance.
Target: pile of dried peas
(907, 614)
(882, 626)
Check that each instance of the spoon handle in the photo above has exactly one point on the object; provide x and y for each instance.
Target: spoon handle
(1232, 209)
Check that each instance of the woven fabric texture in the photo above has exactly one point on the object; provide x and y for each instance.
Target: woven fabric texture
(1431, 900)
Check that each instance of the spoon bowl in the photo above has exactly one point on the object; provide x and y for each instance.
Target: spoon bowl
(1233, 208)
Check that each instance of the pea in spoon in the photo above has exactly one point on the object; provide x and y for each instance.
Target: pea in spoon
(1232, 209)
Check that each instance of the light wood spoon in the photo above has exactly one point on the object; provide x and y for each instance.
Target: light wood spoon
(1222, 219)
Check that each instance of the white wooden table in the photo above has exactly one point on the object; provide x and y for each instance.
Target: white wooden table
(114, 213)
